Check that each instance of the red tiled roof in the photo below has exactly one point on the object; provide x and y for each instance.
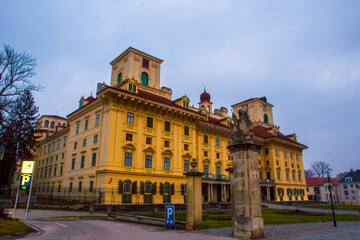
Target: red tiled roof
(261, 99)
(317, 181)
(90, 99)
(216, 122)
(262, 132)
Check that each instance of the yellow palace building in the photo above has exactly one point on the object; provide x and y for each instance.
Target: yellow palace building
(133, 143)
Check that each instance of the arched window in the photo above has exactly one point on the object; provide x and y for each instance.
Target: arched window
(63, 124)
(266, 119)
(52, 124)
(208, 108)
(127, 186)
(144, 78)
(148, 187)
(119, 78)
(46, 123)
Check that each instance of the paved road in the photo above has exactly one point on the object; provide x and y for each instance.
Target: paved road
(104, 229)
(319, 210)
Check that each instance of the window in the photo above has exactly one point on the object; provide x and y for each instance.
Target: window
(119, 78)
(268, 176)
(186, 130)
(61, 169)
(82, 163)
(80, 186)
(145, 63)
(127, 186)
(206, 139)
(206, 169)
(264, 107)
(148, 140)
(62, 155)
(148, 161)
(186, 147)
(205, 153)
(52, 124)
(148, 187)
(277, 163)
(64, 142)
(73, 164)
(285, 155)
(130, 118)
(48, 148)
(345, 187)
(70, 187)
(267, 163)
(97, 119)
(217, 155)
(278, 175)
(84, 142)
(93, 159)
(50, 172)
(46, 124)
(91, 186)
(217, 141)
(299, 176)
(346, 193)
(218, 172)
(266, 118)
(167, 126)
(77, 128)
(59, 188)
(167, 163)
(186, 165)
(229, 143)
(58, 144)
(95, 138)
(86, 124)
(149, 122)
(53, 147)
(128, 159)
(348, 179)
(75, 145)
(167, 188)
(286, 164)
(287, 176)
(293, 175)
(297, 156)
(129, 137)
(166, 144)
(144, 78)
(276, 152)
(291, 155)
(266, 151)
(56, 157)
(55, 171)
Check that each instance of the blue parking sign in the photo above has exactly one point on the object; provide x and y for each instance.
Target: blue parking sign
(169, 214)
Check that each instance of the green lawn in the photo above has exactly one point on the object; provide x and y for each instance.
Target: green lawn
(9, 227)
(219, 219)
(337, 207)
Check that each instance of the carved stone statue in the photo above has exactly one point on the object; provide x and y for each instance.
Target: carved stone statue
(241, 128)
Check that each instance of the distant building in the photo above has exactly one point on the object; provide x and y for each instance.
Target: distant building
(317, 189)
(132, 143)
(349, 187)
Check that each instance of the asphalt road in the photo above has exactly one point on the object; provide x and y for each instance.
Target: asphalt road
(104, 229)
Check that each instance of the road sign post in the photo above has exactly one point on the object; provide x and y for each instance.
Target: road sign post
(169, 215)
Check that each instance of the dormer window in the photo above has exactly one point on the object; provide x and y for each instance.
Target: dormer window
(348, 179)
(185, 104)
(132, 87)
(145, 63)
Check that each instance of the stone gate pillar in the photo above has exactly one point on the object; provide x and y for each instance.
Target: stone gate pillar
(247, 221)
(194, 198)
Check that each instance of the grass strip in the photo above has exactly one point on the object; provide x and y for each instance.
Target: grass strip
(13, 227)
(337, 207)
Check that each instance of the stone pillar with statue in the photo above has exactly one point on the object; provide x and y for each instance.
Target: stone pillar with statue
(247, 221)
(194, 198)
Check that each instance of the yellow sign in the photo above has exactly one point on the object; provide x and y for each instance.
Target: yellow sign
(25, 179)
(27, 167)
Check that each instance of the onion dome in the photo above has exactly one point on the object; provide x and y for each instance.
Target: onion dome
(205, 96)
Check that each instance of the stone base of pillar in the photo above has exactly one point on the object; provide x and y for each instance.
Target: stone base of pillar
(249, 228)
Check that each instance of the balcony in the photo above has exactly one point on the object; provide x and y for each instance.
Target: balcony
(267, 181)
(215, 177)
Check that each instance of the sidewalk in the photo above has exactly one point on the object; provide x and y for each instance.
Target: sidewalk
(289, 231)
(305, 209)
(34, 214)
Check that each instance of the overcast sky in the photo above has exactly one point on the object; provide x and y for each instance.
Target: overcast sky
(304, 56)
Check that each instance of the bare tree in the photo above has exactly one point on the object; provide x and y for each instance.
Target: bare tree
(309, 173)
(321, 169)
(341, 175)
(16, 70)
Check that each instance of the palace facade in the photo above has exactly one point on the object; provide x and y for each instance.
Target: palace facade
(132, 144)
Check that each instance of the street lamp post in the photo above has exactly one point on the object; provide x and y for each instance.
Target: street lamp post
(331, 199)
